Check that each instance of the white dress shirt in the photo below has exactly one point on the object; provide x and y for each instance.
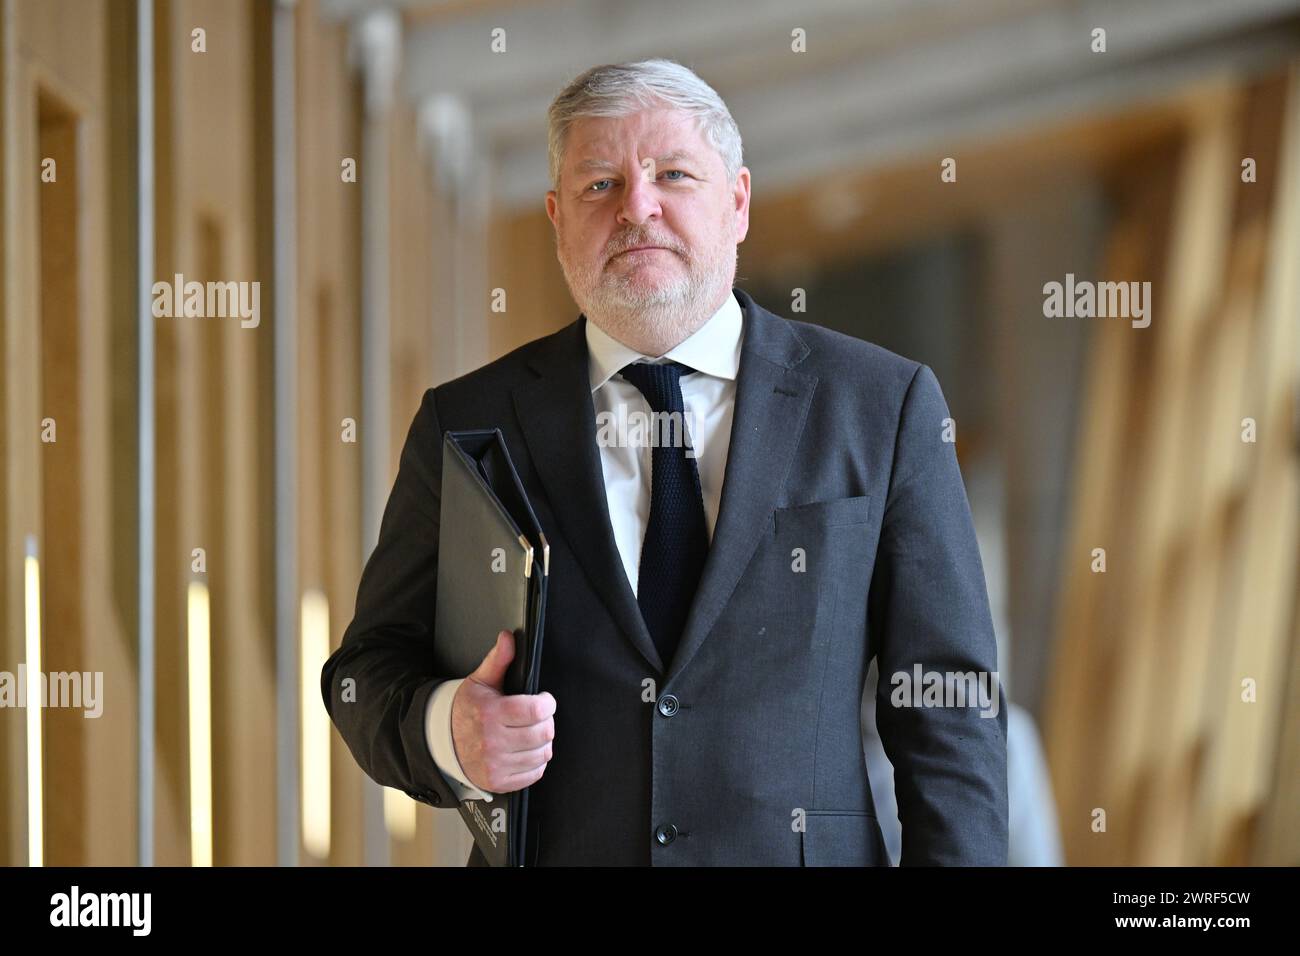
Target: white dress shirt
(713, 350)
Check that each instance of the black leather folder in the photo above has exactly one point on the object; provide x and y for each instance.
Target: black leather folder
(492, 569)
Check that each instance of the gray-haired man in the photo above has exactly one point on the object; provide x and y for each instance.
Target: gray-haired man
(714, 602)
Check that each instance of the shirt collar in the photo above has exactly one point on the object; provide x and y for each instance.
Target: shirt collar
(713, 348)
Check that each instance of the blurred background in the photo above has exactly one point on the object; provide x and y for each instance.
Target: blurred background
(188, 499)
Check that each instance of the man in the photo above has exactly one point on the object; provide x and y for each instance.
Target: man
(714, 601)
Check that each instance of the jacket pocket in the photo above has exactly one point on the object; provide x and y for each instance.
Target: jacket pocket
(843, 838)
(824, 514)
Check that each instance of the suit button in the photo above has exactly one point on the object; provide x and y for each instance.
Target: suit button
(668, 705)
(666, 834)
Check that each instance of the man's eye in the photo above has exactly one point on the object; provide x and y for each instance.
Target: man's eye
(594, 186)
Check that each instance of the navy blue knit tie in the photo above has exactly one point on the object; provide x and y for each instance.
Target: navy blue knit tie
(676, 537)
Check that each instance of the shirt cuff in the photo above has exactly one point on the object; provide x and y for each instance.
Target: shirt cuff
(437, 731)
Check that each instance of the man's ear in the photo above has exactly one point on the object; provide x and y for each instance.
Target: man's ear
(740, 196)
(552, 206)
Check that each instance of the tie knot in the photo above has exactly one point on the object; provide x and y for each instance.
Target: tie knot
(659, 382)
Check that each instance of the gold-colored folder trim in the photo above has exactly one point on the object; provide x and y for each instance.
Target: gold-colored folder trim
(528, 556)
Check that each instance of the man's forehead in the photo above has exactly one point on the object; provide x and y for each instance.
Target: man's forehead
(601, 159)
(666, 135)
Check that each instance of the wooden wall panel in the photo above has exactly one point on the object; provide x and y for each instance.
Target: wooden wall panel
(11, 810)
(215, 408)
(1155, 667)
(1082, 693)
(521, 260)
(329, 329)
(57, 357)
(1147, 719)
(1236, 790)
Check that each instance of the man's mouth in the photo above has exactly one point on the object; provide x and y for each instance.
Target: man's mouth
(640, 249)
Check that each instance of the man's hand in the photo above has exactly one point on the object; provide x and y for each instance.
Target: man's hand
(503, 742)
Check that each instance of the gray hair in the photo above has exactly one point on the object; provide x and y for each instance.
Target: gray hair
(615, 90)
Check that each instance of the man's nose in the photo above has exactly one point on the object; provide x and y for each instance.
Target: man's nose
(640, 198)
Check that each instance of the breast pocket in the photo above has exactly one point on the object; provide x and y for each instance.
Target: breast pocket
(820, 515)
(786, 601)
(833, 541)
(843, 838)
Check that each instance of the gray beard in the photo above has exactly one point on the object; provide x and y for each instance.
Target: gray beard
(666, 315)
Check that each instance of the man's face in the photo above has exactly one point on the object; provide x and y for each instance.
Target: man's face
(648, 179)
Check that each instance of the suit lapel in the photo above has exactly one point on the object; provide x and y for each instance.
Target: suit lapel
(772, 402)
(558, 420)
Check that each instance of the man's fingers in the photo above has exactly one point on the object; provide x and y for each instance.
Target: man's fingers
(520, 739)
(525, 710)
(527, 778)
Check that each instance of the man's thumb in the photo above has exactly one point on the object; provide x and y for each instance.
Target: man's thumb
(492, 670)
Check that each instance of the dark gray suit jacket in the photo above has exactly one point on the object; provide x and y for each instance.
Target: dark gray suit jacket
(844, 532)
